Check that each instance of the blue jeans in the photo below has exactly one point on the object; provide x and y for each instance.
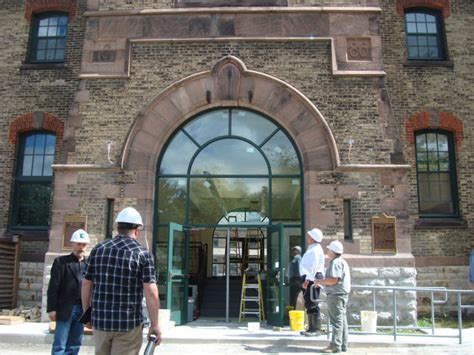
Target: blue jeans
(68, 334)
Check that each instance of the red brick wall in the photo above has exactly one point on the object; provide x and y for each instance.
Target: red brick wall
(35, 6)
(26, 123)
(445, 120)
(442, 5)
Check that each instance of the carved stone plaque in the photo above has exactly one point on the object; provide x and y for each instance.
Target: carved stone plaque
(359, 49)
(384, 237)
(71, 224)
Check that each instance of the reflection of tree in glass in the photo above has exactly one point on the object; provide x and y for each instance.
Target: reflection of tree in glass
(171, 200)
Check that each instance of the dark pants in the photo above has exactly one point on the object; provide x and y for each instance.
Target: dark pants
(311, 307)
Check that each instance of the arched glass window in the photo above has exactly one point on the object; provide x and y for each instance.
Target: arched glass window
(48, 38)
(229, 160)
(424, 34)
(33, 181)
(436, 170)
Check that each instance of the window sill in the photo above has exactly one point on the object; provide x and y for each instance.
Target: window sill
(31, 235)
(428, 63)
(43, 66)
(436, 223)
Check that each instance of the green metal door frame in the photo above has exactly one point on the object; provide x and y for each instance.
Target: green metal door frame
(275, 276)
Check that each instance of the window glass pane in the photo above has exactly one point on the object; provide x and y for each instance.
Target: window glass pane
(421, 159)
(29, 144)
(42, 44)
(434, 187)
(423, 52)
(431, 28)
(422, 41)
(53, 21)
(420, 17)
(37, 165)
(444, 161)
(44, 22)
(413, 52)
(421, 27)
(48, 161)
(178, 155)
(50, 144)
(445, 187)
(421, 143)
(208, 126)
(33, 204)
(51, 44)
(442, 143)
(432, 41)
(423, 189)
(50, 54)
(430, 18)
(62, 31)
(411, 40)
(250, 125)
(286, 199)
(52, 31)
(43, 31)
(410, 17)
(281, 154)
(213, 198)
(60, 43)
(63, 20)
(434, 53)
(39, 144)
(172, 200)
(229, 156)
(59, 54)
(431, 140)
(433, 161)
(411, 27)
(27, 165)
(40, 55)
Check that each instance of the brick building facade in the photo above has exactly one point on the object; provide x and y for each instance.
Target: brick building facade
(342, 79)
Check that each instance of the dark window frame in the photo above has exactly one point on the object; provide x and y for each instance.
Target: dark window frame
(452, 175)
(31, 180)
(35, 38)
(440, 35)
(348, 230)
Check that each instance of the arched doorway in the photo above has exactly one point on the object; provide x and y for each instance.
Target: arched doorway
(225, 178)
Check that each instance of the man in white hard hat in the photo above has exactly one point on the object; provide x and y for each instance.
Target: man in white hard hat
(64, 296)
(312, 268)
(118, 272)
(337, 285)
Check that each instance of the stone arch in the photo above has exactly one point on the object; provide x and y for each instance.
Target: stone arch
(229, 83)
(34, 121)
(434, 120)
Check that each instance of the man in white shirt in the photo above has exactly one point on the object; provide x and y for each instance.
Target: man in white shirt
(312, 268)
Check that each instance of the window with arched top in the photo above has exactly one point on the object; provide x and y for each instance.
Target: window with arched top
(425, 38)
(436, 174)
(33, 180)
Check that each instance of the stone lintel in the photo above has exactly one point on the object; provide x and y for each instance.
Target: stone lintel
(392, 260)
(85, 167)
(233, 10)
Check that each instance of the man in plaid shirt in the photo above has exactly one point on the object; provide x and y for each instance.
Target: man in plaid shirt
(118, 272)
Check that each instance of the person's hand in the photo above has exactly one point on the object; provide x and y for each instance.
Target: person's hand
(155, 330)
(305, 285)
(52, 316)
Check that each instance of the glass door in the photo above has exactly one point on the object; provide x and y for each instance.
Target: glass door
(275, 276)
(177, 277)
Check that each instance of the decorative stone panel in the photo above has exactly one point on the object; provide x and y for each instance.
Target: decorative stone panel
(36, 6)
(442, 5)
(359, 49)
(36, 121)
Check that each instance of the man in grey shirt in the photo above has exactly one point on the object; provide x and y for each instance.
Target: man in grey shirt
(337, 284)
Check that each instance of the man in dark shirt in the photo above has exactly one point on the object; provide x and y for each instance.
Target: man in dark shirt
(118, 272)
(64, 296)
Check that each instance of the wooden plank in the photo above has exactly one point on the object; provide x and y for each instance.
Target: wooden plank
(9, 320)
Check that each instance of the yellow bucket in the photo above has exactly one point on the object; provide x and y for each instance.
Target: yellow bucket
(296, 320)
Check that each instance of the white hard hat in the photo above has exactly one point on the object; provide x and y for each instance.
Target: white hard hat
(316, 234)
(129, 215)
(297, 247)
(336, 246)
(80, 236)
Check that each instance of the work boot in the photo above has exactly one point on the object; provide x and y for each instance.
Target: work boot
(330, 350)
(312, 329)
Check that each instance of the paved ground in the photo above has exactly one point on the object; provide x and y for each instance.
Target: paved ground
(204, 337)
(241, 349)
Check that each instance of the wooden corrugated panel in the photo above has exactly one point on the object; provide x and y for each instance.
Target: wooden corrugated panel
(9, 264)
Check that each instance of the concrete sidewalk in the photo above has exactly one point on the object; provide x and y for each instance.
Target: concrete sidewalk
(211, 332)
